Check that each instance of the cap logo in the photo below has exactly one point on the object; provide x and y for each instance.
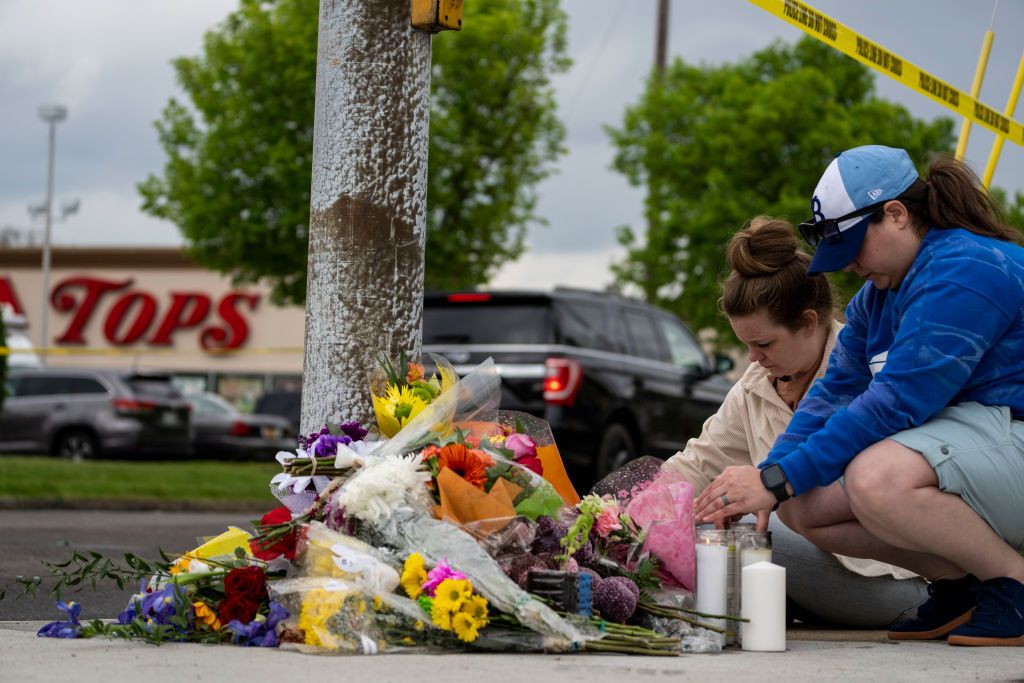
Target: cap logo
(816, 209)
(875, 194)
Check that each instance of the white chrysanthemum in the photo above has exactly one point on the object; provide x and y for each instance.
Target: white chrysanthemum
(383, 485)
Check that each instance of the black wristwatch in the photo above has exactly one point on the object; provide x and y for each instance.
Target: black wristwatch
(774, 479)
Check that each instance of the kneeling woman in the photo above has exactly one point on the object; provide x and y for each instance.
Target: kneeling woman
(911, 449)
(786, 320)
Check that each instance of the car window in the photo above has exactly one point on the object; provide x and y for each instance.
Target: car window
(491, 323)
(683, 348)
(159, 387)
(44, 385)
(584, 324)
(85, 385)
(211, 405)
(644, 337)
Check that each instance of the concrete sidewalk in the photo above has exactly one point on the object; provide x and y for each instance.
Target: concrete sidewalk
(26, 658)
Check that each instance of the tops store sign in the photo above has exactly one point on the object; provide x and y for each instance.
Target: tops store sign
(133, 316)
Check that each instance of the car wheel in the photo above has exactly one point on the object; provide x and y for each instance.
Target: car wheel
(616, 450)
(77, 445)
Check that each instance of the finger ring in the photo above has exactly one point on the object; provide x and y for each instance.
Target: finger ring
(725, 500)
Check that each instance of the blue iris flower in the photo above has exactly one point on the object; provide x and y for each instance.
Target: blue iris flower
(259, 633)
(63, 629)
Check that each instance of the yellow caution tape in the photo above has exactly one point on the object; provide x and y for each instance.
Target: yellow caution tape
(65, 351)
(849, 42)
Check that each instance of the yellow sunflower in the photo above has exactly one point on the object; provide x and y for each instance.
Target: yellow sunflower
(465, 627)
(413, 575)
(396, 408)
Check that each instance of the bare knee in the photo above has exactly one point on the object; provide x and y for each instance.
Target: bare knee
(877, 477)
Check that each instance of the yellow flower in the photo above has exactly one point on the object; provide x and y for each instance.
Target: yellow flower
(205, 615)
(378, 604)
(181, 564)
(318, 606)
(453, 593)
(476, 607)
(396, 408)
(441, 615)
(413, 575)
(465, 627)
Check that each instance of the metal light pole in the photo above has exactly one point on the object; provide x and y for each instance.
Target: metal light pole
(51, 114)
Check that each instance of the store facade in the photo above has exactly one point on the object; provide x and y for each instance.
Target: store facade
(155, 309)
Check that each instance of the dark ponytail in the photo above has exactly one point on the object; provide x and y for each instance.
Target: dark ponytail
(953, 197)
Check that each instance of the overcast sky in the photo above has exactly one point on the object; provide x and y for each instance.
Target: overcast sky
(108, 61)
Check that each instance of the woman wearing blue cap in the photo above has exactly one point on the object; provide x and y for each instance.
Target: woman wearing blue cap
(911, 450)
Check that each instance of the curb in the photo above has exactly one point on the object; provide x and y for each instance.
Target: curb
(137, 504)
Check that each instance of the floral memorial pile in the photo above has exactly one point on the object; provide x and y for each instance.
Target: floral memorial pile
(452, 526)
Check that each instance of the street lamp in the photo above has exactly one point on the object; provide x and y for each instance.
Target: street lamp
(51, 114)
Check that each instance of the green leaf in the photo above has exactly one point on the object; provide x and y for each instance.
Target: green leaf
(544, 501)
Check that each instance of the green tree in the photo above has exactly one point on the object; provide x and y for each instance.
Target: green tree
(716, 145)
(237, 176)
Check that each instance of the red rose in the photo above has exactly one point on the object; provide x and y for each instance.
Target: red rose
(237, 608)
(246, 582)
(284, 545)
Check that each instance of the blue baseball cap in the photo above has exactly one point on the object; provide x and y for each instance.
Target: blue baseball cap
(855, 185)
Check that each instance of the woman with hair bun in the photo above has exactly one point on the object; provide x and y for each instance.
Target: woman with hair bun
(911, 449)
(787, 322)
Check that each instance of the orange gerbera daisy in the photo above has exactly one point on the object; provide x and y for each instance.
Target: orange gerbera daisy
(470, 464)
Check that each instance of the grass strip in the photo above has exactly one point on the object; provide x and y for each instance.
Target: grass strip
(185, 480)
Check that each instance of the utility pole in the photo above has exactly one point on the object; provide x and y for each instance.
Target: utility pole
(368, 203)
(661, 49)
(52, 115)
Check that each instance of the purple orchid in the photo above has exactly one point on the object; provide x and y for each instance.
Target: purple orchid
(326, 445)
(63, 629)
(259, 633)
(352, 430)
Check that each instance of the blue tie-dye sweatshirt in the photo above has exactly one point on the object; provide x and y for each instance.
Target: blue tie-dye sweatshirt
(952, 332)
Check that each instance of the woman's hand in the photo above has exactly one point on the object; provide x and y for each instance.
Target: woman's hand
(736, 491)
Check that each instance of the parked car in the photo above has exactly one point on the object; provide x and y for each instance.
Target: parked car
(80, 413)
(614, 377)
(285, 403)
(221, 430)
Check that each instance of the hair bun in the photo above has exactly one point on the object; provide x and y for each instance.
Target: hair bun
(765, 246)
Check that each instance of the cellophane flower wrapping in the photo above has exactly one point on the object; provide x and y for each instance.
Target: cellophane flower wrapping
(664, 510)
(437, 540)
(479, 391)
(328, 554)
(495, 429)
(332, 616)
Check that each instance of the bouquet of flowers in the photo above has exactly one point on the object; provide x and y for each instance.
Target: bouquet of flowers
(401, 391)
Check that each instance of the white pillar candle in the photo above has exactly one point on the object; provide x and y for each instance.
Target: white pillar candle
(764, 603)
(712, 576)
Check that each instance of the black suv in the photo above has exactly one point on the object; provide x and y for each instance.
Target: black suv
(613, 376)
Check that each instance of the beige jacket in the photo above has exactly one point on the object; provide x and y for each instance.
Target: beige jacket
(744, 430)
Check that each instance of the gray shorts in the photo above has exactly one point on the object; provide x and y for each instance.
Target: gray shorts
(977, 453)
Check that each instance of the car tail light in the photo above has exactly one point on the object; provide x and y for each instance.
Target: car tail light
(239, 428)
(133, 406)
(468, 297)
(563, 380)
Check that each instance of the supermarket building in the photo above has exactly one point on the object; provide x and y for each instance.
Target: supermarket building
(155, 309)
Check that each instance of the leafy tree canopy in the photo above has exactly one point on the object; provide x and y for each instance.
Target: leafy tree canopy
(716, 145)
(239, 155)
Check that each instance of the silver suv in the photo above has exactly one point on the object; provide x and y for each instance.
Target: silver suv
(84, 413)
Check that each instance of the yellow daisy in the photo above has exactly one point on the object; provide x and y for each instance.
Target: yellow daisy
(465, 627)
(413, 575)
(441, 615)
(476, 607)
(453, 593)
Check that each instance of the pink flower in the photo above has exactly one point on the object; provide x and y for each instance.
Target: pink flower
(607, 521)
(524, 452)
(435, 576)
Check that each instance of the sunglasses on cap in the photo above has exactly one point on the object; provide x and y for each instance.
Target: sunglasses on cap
(827, 229)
